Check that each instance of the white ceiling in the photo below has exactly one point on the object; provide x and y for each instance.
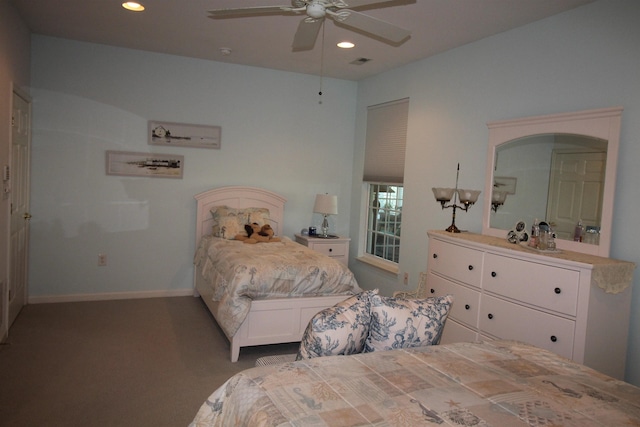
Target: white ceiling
(182, 27)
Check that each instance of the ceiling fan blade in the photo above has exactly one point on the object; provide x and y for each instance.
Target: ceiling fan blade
(371, 25)
(356, 3)
(306, 34)
(249, 11)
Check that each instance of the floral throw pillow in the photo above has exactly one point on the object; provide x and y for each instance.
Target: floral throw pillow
(341, 329)
(405, 323)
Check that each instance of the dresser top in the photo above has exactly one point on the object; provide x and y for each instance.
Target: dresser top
(609, 274)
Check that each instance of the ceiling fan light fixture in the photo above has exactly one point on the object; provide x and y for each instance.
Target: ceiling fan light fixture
(316, 10)
(133, 6)
(346, 45)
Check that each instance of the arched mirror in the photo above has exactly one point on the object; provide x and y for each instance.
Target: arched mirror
(560, 169)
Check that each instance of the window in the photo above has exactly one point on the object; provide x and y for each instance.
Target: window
(384, 176)
(384, 221)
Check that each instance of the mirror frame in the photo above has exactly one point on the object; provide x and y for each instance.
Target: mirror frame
(602, 123)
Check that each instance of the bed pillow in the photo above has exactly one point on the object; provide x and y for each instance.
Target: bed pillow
(405, 323)
(341, 329)
(229, 222)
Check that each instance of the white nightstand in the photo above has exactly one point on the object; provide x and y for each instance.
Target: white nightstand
(337, 248)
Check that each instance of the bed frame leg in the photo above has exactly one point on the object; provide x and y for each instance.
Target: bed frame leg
(235, 351)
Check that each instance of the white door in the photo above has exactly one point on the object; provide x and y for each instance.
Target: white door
(575, 190)
(19, 191)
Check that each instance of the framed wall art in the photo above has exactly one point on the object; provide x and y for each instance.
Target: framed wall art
(505, 183)
(183, 134)
(127, 163)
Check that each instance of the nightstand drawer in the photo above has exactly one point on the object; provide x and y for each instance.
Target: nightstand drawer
(329, 249)
(336, 248)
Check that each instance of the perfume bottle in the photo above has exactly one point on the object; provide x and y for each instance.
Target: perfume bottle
(535, 234)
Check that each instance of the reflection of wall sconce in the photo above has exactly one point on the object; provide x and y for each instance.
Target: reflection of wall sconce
(497, 199)
(467, 198)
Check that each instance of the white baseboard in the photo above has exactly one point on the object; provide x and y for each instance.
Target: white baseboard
(109, 296)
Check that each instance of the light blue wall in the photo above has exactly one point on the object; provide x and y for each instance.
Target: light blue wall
(584, 59)
(90, 98)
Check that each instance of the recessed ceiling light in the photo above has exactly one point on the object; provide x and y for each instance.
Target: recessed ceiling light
(133, 6)
(346, 45)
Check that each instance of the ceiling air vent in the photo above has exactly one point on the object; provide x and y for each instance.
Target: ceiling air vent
(360, 61)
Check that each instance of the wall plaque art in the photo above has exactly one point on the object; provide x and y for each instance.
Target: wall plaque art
(183, 134)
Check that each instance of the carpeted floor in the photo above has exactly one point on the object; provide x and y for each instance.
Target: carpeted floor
(140, 362)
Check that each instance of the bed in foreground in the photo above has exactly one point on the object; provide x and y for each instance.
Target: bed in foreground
(262, 293)
(494, 383)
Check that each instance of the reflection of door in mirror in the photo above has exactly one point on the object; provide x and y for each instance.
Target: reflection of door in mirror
(575, 190)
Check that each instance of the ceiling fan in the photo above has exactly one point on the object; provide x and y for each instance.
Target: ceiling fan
(316, 11)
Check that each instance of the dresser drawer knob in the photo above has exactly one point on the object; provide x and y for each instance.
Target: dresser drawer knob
(470, 267)
(435, 256)
(494, 274)
(490, 316)
(467, 306)
(554, 338)
(330, 249)
(433, 291)
(557, 290)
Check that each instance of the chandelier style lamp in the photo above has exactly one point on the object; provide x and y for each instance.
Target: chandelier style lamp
(466, 197)
(326, 205)
(497, 199)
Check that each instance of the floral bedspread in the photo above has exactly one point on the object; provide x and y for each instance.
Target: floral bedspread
(497, 383)
(239, 272)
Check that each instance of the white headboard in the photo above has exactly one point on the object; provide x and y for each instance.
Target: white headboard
(238, 197)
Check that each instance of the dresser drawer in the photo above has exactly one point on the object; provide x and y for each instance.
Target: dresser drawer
(507, 320)
(553, 288)
(330, 249)
(457, 262)
(457, 332)
(466, 301)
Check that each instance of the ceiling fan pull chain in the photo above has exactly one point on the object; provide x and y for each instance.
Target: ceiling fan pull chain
(321, 64)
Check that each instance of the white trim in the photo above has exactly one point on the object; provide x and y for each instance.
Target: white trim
(380, 263)
(45, 299)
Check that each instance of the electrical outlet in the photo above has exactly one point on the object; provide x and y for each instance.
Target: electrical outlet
(102, 260)
(406, 278)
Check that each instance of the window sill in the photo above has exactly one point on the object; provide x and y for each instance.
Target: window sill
(380, 263)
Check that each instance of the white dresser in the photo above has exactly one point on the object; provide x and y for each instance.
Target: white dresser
(573, 304)
(337, 248)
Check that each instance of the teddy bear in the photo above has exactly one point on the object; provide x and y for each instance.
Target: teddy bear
(257, 234)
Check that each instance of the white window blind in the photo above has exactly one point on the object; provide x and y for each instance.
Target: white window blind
(386, 142)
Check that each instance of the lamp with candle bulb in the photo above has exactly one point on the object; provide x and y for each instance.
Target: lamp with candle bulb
(467, 198)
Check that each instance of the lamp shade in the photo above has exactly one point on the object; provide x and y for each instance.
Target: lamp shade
(498, 196)
(326, 204)
(443, 194)
(468, 196)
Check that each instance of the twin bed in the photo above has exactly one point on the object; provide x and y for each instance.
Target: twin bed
(261, 293)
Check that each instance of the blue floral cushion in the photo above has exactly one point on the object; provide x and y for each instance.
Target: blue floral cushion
(341, 329)
(403, 323)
